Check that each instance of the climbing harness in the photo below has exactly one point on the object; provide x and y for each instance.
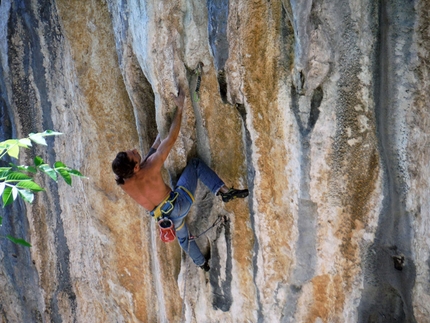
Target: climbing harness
(188, 194)
(222, 219)
(161, 214)
(165, 207)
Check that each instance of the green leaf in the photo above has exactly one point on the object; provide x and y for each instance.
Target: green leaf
(17, 176)
(7, 196)
(66, 176)
(26, 195)
(51, 133)
(30, 185)
(14, 192)
(9, 143)
(59, 164)
(12, 165)
(13, 151)
(2, 187)
(3, 175)
(1, 221)
(38, 138)
(26, 168)
(75, 172)
(49, 171)
(4, 171)
(18, 241)
(38, 161)
(25, 142)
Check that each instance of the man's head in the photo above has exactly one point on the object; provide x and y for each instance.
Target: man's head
(124, 165)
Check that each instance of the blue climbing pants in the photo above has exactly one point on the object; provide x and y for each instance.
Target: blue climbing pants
(196, 169)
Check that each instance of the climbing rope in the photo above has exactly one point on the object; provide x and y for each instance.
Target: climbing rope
(222, 219)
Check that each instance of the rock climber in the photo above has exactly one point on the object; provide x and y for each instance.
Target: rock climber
(141, 179)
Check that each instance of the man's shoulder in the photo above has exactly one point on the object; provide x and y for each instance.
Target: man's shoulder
(149, 168)
(154, 162)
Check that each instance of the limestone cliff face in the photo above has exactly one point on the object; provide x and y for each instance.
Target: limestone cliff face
(321, 108)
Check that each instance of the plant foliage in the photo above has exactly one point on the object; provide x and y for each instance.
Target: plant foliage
(17, 180)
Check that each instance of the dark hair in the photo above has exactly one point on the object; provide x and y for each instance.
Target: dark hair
(123, 167)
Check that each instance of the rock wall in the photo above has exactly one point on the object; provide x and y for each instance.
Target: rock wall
(321, 108)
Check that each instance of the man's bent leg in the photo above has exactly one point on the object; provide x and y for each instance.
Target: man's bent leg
(197, 169)
(189, 246)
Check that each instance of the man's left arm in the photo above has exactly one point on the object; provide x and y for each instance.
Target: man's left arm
(153, 148)
(156, 142)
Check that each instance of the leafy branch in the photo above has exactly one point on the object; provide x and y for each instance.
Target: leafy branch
(17, 180)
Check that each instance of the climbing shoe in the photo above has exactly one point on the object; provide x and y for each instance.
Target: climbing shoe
(205, 266)
(233, 194)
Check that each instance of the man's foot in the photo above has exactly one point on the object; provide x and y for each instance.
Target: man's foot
(205, 266)
(232, 194)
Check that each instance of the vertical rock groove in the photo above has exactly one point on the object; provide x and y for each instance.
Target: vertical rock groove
(250, 181)
(217, 29)
(388, 290)
(221, 282)
(305, 248)
(317, 97)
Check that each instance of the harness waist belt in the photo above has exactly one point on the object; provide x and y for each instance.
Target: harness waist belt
(167, 205)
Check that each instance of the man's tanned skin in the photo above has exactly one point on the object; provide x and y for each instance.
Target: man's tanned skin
(146, 186)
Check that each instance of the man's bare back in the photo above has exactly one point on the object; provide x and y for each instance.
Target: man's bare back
(147, 187)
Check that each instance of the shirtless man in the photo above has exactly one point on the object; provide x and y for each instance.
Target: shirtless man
(142, 180)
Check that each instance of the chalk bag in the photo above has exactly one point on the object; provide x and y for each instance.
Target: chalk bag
(167, 230)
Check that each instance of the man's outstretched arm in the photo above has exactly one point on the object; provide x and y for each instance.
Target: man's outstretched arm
(167, 143)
